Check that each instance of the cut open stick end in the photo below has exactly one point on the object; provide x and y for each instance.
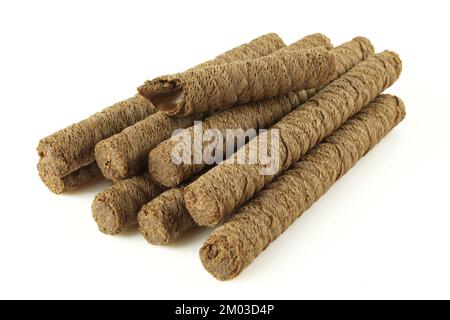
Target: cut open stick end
(165, 95)
(220, 258)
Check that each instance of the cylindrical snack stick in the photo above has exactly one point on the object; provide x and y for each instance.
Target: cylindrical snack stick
(125, 154)
(258, 47)
(222, 86)
(116, 208)
(235, 244)
(165, 218)
(71, 181)
(72, 148)
(255, 115)
(227, 186)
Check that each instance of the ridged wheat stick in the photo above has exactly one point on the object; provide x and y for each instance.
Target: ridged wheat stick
(219, 87)
(165, 218)
(73, 147)
(125, 154)
(115, 209)
(227, 186)
(235, 244)
(71, 181)
(256, 115)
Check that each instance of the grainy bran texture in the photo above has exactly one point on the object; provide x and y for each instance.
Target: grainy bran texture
(315, 40)
(259, 47)
(258, 115)
(71, 181)
(235, 244)
(115, 209)
(165, 218)
(223, 189)
(222, 86)
(125, 154)
(72, 148)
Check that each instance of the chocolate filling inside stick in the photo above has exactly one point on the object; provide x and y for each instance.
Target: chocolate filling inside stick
(254, 115)
(222, 86)
(234, 245)
(73, 147)
(126, 154)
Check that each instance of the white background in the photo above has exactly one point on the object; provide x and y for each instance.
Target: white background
(383, 231)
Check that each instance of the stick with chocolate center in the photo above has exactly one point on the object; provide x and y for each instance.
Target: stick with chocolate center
(72, 148)
(219, 87)
(115, 209)
(165, 218)
(256, 115)
(224, 188)
(126, 154)
(234, 245)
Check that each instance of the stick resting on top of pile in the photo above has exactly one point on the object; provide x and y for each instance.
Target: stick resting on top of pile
(222, 86)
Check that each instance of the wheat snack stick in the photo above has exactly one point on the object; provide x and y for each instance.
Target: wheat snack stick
(165, 218)
(70, 182)
(227, 186)
(222, 86)
(115, 209)
(314, 40)
(257, 115)
(73, 147)
(258, 47)
(125, 154)
(235, 244)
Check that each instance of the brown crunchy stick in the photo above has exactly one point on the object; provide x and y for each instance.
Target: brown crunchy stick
(125, 154)
(218, 87)
(255, 115)
(116, 208)
(234, 245)
(227, 186)
(71, 181)
(72, 148)
(165, 218)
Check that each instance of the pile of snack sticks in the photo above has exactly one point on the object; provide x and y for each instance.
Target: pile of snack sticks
(323, 104)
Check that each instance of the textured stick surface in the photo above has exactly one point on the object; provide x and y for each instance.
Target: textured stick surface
(72, 148)
(257, 115)
(234, 245)
(259, 47)
(227, 186)
(125, 154)
(70, 182)
(315, 40)
(165, 218)
(115, 209)
(218, 87)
